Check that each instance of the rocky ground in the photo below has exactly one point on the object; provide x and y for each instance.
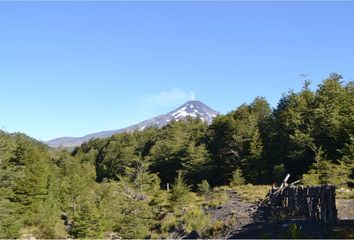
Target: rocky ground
(235, 214)
(242, 219)
(345, 209)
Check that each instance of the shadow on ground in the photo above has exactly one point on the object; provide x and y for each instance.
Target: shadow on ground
(265, 226)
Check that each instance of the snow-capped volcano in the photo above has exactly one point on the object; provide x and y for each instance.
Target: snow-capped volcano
(194, 109)
(191, 108)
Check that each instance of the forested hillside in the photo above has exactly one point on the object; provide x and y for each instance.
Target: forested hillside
(119, 186)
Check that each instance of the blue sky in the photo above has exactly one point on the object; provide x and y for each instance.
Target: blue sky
(73, 68)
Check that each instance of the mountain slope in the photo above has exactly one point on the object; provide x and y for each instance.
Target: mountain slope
(191, 108)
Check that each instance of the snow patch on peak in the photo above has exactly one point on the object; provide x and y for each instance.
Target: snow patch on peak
(180, 113)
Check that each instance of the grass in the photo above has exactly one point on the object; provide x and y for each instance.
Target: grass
(218, 197)
(252, 193)
(217, 228)
(249, 193)
(344, 193)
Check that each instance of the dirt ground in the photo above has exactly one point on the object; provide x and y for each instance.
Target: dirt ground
(345, 209)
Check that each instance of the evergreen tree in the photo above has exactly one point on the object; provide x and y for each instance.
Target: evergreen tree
(10, 220)
(237, 178)
(30, 186)
(204, 188)
(180, 193)
(182, 147)
(224, 148)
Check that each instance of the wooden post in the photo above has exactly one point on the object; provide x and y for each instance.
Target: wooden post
(332, 211)
(284, 183)
(323, 205)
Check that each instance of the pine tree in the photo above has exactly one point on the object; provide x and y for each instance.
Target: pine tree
(237, 178)
(10, 220)
(87, 222)
(204, 188)
(180, 193)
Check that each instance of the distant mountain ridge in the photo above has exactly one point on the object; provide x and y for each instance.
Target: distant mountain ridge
(192, 108)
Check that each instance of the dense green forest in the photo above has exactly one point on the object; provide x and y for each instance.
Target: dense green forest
(119, 186)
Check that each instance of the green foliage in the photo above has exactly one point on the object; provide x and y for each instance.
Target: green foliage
(237, 178)
(47, 220)
(252, 193)
(169, 222)
(136, 221)
(29, 190)
(237, 141)
(326, 172)
(311, 178)
(10, 220)
(293, 232)
(217, 228)
(218, 198)
(77, 186)
(86, 217)
(308, 125)
(223, 147)
(279, 172)
(345, 193)
(137, 214)
(180, 193)
(181, 148)
(204, 188)
(195, 219)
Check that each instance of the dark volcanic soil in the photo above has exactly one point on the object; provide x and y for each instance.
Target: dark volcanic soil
(235, 214)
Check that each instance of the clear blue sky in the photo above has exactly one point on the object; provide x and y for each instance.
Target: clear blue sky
(73, 68)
